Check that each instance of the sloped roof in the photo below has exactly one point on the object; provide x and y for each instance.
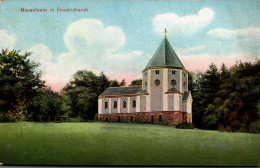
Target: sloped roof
(116, 91)
(165, 56)
(173, 90)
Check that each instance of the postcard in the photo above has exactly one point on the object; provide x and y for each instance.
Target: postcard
(129, 83)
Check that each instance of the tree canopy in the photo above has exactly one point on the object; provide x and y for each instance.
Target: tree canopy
(19, 83)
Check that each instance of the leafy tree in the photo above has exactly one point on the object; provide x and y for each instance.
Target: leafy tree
(114, 83)
(137, 82)
(122, 83)
(47, 103)
(19, 83)
(82, 92)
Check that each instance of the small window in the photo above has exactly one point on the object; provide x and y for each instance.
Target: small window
(152, 119)
(118, 119)
(157, 82)
(160, 118)
(106, 105)
(106, 119)
(124, 104)
(157, 71)
(131, 119)
(115, 104)
(173, 72)
(134, 103)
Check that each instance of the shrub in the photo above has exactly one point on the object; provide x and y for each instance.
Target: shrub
(185, 126)
(255, 127)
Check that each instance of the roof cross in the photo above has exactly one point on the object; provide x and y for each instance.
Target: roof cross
(165, 32)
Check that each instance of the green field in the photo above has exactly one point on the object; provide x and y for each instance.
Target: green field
(123, 144)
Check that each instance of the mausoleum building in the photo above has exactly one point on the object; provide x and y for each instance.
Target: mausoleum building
(163, 98)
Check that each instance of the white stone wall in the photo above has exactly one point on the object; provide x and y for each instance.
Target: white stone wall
(105, 110)
(170, 102)
(122, 109)
(114, 110)
(143, 103)
(176, 101)
(131, 108)
(157, 100)
(184, 81)
(165, 89)
(100, 108)
(175, 76)
(145, 81)
(156, 92)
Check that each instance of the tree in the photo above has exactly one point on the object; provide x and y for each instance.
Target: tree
(19, 83)
(137, 82)
(122, 83)
(82, 92)
(47, 103)
(114, 83)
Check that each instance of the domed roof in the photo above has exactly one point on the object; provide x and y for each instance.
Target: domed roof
(165, 56)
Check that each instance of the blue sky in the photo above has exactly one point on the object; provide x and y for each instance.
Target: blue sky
(119, 37)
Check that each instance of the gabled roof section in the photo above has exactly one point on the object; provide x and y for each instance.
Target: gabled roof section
(119, 91)
(165, 56)
(173, 90)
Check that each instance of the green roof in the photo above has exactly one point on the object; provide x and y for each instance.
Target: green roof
(165, 56)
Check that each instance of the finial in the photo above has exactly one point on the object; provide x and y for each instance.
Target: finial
(165, 32)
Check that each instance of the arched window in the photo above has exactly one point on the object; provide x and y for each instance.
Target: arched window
(134, 103)
(115, 104)
(160, 118)
(106, 105)
(124, 104)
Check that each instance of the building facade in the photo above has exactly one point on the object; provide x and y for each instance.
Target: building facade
(163, 98)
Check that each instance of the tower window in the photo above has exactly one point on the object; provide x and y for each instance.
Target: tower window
(124, 104)
(157, 82)
(157, 71)
(160, 118)
(173, 72)
(106, 105)
(173, 82)
(134, 103)
(115, 104)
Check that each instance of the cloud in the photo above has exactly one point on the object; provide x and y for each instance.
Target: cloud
(191, 49)
(223, 46)
(225, 41)
(91, 46)
(6, 40)
(185, 25)
(201, 62)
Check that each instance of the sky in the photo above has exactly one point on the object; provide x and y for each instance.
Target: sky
(119, 38)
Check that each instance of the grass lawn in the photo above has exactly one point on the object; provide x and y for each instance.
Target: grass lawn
(123, 144)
